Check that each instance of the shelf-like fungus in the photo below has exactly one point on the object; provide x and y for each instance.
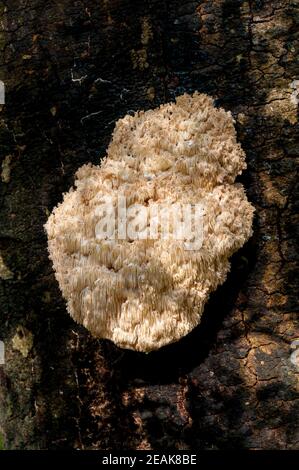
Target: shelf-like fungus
(138, 287)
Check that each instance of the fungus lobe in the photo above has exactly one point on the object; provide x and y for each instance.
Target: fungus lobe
(146, 291)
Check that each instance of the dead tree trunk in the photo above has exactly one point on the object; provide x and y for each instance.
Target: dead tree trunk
(71, 69)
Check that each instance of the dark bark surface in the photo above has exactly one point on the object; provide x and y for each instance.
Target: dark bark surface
(71, 69)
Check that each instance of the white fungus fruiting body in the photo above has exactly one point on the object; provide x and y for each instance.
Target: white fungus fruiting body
(143, 294)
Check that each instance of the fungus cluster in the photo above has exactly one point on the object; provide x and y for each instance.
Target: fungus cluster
(145, 293)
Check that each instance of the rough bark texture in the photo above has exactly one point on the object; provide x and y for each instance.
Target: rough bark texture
(71, 69)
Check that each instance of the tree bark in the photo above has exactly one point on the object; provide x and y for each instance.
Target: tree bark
(71, 69)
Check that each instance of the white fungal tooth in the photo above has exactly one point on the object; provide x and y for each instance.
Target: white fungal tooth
(126, 278)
